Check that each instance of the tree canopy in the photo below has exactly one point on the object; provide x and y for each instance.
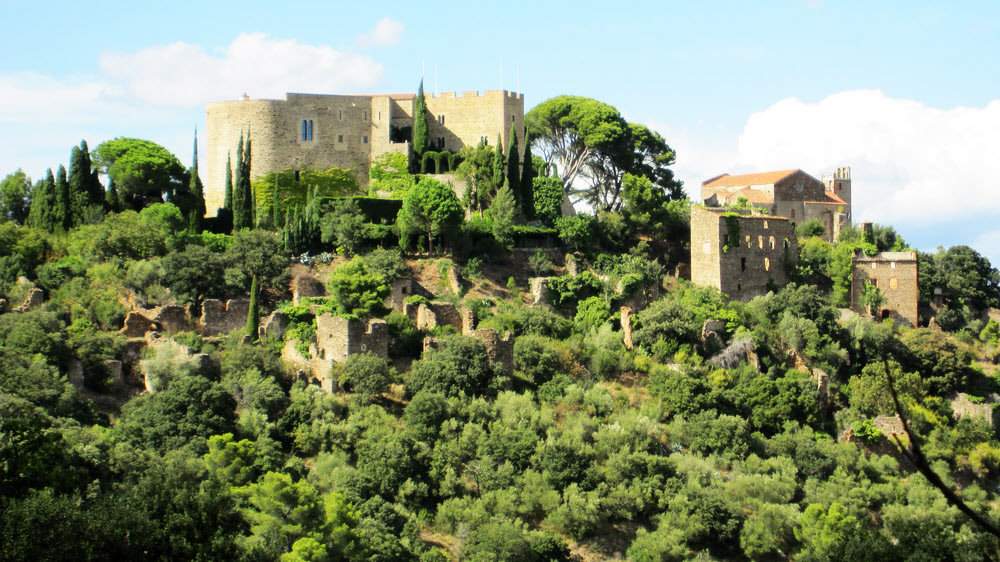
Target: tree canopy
(143, 172)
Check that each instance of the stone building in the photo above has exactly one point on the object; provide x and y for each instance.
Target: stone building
(313, 131)
(793, 194)
(741, 252)
(895, 276)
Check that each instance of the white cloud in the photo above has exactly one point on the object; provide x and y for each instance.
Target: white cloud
(185, 75)
(34, 98)
(911, 164)
(387, 33)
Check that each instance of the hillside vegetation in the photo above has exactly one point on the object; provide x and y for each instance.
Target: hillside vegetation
(767, 439)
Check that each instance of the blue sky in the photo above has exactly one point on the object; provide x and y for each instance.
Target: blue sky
(906, 93)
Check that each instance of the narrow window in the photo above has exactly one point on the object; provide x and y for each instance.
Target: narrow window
(340, 138)
(739, 287)
(793, 214)
(511, 118)
(767, 264)
(786, 243)
(760, 242)
(305, 130)
(310, 129)
(874, 265)
(892, 265)
(743, 264)
(874, 282)
(365, 139)
(748, 240)
(340, 114)
(771, 241)
(893, 283)
(765, 225)
(365, 116)
(296, 175)
(441, 119)
(379, 115)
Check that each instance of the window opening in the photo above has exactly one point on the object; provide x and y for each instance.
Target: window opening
(743, 264)
(310, 129)
(767, 264)
(305, 130)
(340, 138)
(364, 139)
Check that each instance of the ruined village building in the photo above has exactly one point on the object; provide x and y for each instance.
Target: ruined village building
(895, 276)
(741, 252)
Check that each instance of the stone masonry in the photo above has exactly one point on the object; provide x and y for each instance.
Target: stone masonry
(337, 338)
(219, 317)
(895, 275)
(438, 313)
(311, 131)
(749, 262)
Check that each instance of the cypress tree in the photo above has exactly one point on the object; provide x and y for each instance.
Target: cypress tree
(253, 316)
(111, 197)
(85, 188)
(420, 133)
(227, 203)
(514, 171)
(276, 204)
(528, 180)
(197, 191)
(63, 210)
(250, 194)
(79, 176)
(499, 165)
(242, 194)
(43, 199)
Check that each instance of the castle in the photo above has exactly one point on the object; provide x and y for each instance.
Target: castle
(313, 131)
(787, 193)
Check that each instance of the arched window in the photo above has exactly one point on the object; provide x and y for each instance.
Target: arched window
(305, 130)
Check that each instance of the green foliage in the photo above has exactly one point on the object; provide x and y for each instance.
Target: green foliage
(15, 197)
(431, 208)
(356, 290)
(504, 209)
(366, 374)
(548, 199)
(389, 173)
(810, 228)
(577, 230)
(477, 169)
(256, 253)
(567, 290)
(186, 413)
(459, 364)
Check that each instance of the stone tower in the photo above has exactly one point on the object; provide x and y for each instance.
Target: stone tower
(840, 185)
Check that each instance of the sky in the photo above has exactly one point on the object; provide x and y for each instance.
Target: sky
(905, 93)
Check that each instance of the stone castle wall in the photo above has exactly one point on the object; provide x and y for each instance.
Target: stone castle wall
(346, 131)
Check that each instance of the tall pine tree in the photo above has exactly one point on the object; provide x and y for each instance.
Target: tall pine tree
(197, 190)
(250, 194)
(421, 136)
(514, 171)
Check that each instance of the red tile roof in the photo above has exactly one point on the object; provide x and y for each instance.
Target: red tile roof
(754, 196)
(831, 199)
(763, 178)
